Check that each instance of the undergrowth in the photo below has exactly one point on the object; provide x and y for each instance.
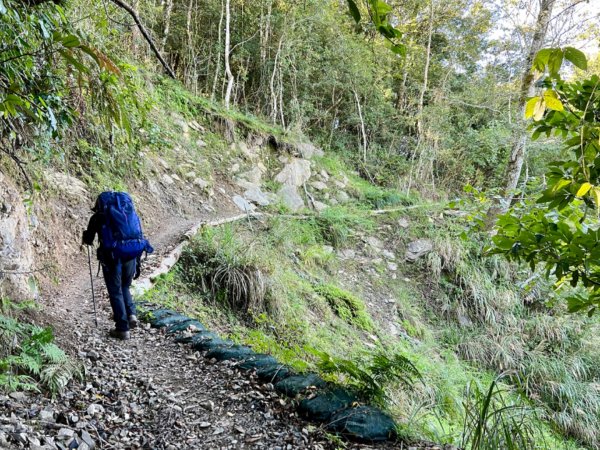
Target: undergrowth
(29, 358)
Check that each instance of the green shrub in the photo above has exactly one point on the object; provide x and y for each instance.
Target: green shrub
(346, 305)
(29, 359)
(336, 224)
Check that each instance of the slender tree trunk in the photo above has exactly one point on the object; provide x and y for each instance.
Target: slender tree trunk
(517, 156)
(218, 65)
(230, 78)
(425, 74)
(168, 11)
(363, 131)
(274, 96)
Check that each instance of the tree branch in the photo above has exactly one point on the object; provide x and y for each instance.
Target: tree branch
(146, 35)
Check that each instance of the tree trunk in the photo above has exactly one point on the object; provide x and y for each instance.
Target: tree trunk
(515, 163)
(218, 65)
(168, 10)
(230, 78)
(363, 131)
(425, 75)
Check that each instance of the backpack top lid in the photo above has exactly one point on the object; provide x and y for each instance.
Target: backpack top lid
(107, 198)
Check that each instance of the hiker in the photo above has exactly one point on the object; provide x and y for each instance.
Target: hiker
(122, 243)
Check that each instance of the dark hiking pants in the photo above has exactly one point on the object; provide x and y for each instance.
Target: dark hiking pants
(118, 277)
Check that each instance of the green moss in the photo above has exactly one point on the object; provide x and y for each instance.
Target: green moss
(346, 305)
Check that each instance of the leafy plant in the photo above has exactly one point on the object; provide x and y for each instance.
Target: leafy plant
(493, 422)
(29, 359)
(371, 374)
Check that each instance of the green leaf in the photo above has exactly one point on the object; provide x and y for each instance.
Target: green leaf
(552, 101)
(584, 189)
(596, 192)
(576, 57)
(399, 49)
(354, 11)
(561, 184)
(555, 61)
(70, 41)
(541, 59)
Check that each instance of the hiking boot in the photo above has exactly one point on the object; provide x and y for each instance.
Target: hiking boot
(118, 334)
(133, 321)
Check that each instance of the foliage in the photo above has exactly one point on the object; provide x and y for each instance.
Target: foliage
(494, 422)
(370, 374)
(346, 305)
(231, 276)
(29, 360)
(560, 230)
(336, 224)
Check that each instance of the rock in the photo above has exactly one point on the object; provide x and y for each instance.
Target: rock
(16, 253)
(253, 175)
(374, 242)
(403, 222)
(47, 415)
(200, 183)
(320, 206)
(196, 126)
(324, 175)
(200, 143)
(191, 175)
(167, 180)
(342, 197)
(180, 122)
(68, 185)
(18, 396)
(290, 197)
(65, 433)
(249, 152)
(392, 266)
(243, 204)
(93, 355)
(295, 173)
(175, 177)
(388, 255)
(347, 253)
(95, 409)
(257, 196)
(418, 249)
(87, 439)
(319, 185)
(308, 150)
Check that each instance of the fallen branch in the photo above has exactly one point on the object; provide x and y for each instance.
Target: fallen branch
(146, 35)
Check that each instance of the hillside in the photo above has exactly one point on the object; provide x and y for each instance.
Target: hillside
(304, 190)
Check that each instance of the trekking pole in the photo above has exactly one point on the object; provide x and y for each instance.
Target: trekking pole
(92, 283)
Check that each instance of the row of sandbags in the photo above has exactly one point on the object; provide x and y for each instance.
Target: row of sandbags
(334, 406)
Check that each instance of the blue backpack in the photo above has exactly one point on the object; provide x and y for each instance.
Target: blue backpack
(121, 233)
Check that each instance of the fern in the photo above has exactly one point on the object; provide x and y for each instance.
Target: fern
(56, 376)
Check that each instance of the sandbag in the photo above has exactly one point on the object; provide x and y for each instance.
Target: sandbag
(182, 326)
(296, 384)
(161, 313)
(202, 335)
(226, 352)
(273, 373)
(168, 320)
(257, 361)
(210, 341)
(364, 423)
(323, 406)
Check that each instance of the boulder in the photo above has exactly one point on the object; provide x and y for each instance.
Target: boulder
(295, 173)
(68, 185)
(200, 183)
(289, 196)
(342, 197)
(255, 195)
(253, 175)
(16, 256)
(243, 204)
(320, 206)
(417, 249)
(308, 150)
(403, 222)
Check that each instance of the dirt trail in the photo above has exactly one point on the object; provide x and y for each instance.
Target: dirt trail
(153, 393)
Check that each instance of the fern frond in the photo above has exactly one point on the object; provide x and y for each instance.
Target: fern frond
(56, 376)
(53, 353)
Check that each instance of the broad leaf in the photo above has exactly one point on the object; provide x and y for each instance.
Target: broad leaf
(576, 57)
(584, 189)
(354, 11)
(552, 101)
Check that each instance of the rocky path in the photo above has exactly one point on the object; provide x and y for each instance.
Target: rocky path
(148, 392)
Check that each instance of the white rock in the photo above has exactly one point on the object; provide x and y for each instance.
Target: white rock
(392, 266)
(257, 196)
(388, 255)
(202, 184)
(295, 173)
(167, 180)
(374, 242)
(418, 249)
(253, 175)
(403, 222)
(290, 197)
(175, 177)
(309, 150)
(200, 143)
(243, 204)
(94, 409)
(319, 185)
